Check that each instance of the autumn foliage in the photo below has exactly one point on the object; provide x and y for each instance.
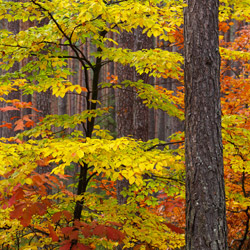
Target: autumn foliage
(58, 173)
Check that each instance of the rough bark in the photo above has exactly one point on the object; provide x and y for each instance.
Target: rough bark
(205, 193)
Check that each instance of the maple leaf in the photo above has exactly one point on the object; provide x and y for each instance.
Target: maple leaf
(19, 125)
(26, 118)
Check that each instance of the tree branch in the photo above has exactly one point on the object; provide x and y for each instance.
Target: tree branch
(73, 47)
(164, 144)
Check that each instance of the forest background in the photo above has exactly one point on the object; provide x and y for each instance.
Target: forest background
(92, 114)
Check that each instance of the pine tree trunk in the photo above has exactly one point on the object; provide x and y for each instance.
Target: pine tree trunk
(205, 192)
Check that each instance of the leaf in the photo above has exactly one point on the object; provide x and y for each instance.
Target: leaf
(44, 161)
(65, 247)
(8, 108)
(82, 247)
(86, 232)
(175, 228)
(84, 89)
(28, 181)
(70, 232)
(138, 246)
(114, 234)
(19, 125)
(114, 223)
(67, 215)
(78, 89)
(53, 234)
(100, 230)
(67, 230)
(56, 217)
(19, 194)
(26, 118)
(6, 124)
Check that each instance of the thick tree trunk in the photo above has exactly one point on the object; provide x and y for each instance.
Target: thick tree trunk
(205, 193)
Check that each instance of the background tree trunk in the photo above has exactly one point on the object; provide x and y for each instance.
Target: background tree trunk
(13, 27)
(132, 114)
(205, 193)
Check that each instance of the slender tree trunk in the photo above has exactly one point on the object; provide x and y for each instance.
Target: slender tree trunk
(205, 193)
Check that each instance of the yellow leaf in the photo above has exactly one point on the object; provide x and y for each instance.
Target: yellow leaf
(131, 180)
(78, 89)
(28, 181)
(80, 154)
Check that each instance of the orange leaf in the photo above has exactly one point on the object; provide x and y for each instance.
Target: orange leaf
(15, 117)
(19, 125)
(36, 109)
(26, 118)
(19, 141)
(84, 89)
(44, 161)
(7, 108)
(29, 124)
(6, 124)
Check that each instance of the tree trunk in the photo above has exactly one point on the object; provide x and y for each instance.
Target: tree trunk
(205, 192)
(13, 27)
(132, 114)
